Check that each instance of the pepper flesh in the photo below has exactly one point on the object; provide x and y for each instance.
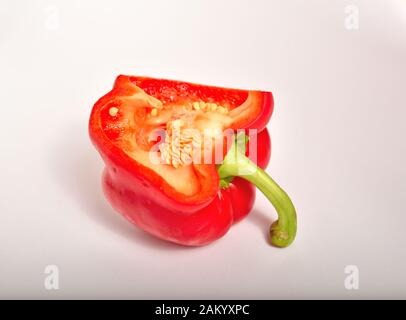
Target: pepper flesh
(150, 195)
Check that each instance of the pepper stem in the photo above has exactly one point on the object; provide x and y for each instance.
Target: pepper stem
(236, 164)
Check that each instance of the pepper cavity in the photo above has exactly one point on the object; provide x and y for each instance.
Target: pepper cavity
(186, 126)
(196, 106)
(192, 134)
(194, 128)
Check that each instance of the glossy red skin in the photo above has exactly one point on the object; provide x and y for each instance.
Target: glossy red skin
(143, 202)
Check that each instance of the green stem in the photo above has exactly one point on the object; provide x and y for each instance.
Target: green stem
(236, 164)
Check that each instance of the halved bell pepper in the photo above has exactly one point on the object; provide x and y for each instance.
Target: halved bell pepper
(178, 199)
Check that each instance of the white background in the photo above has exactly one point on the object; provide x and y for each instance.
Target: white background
(338, 134)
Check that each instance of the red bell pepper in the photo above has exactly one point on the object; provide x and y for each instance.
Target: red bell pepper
(189, 203)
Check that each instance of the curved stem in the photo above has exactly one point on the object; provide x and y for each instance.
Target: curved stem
(282, 231)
